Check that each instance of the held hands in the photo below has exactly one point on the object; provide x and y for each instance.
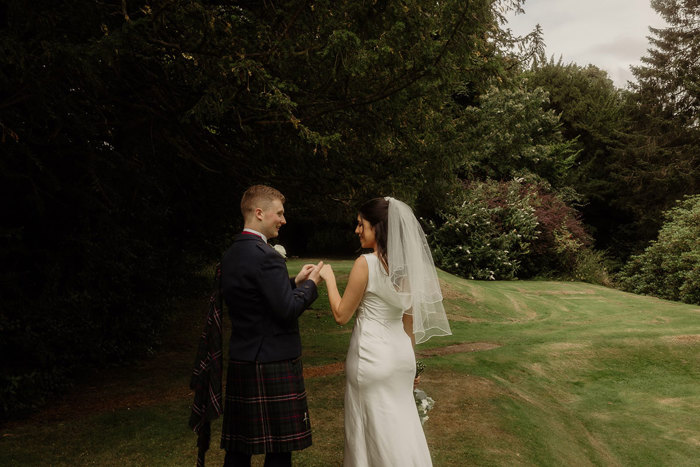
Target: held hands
(309, 271)
(304, 273)
(315, 272)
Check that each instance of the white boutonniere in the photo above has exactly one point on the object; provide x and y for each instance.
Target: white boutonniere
(281, 250)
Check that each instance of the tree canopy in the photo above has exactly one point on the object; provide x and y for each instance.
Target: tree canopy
(130, 129)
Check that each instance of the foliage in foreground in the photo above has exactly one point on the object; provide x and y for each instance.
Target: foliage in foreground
(130, 129)
(670, 266)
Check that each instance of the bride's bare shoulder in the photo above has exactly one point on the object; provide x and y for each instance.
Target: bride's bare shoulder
(361, 267)
(361, 262)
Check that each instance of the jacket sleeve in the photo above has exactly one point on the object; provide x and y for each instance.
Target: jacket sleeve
(285, 303)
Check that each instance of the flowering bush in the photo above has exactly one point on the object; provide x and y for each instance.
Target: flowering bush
(562, 242)
(503, 230)
(670, 266)
(487, 234)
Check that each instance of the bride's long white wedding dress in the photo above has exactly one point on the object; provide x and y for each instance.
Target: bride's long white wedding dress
(382, 427)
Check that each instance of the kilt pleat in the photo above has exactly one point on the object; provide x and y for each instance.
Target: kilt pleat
(265, 408)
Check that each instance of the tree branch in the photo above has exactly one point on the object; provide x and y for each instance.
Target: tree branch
(126, 15)
(409, 79)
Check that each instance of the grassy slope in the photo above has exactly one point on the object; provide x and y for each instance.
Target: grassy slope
(583, 375)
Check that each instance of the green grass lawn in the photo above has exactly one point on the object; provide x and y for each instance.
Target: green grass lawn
(558, 373)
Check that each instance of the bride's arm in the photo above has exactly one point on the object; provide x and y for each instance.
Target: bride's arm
(408, 327)
(344, 307)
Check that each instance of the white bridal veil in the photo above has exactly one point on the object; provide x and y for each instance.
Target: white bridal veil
(413, 274)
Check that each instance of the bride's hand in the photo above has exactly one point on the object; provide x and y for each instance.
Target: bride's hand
(327, 272)
(416, 381)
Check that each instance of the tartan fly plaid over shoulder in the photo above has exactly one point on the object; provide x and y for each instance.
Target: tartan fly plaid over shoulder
(207, 374)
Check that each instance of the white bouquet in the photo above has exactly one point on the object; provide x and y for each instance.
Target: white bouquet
(424, 403)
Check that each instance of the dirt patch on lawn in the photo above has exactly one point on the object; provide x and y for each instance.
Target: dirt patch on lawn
(685, 339)
(324, 370)
(339, 367)
(558, 346)
(464, 319)
(465, 414)
(567, 292)
(672, 401)
(457, 348)
(450, 293)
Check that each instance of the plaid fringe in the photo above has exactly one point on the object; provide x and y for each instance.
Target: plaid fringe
(207, 374)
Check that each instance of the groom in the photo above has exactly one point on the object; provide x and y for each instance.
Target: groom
(265, 409)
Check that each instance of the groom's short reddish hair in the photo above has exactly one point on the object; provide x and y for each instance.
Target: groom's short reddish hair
(259, 196)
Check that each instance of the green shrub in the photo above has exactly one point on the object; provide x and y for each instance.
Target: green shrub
(591, 266)
(670, 266)
(504, 230)
(487, 234)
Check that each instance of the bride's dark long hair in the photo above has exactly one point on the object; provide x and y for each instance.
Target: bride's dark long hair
(376, 212)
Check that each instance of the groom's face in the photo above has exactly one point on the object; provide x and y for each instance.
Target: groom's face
(273, 219)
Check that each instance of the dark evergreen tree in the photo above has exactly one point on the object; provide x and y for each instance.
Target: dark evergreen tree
(592, 114)
(639, 148)
(669, 78)
(661, 162)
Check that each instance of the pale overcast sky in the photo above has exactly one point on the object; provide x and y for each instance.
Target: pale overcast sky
(611, 34)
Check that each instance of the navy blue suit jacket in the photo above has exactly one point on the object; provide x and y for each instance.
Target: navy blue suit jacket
(263, 302)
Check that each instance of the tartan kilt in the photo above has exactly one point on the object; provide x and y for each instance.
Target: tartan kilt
(265, 408)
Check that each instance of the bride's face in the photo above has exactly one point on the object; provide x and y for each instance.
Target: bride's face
(365, 232)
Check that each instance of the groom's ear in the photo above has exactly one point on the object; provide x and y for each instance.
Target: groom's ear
(259, 213)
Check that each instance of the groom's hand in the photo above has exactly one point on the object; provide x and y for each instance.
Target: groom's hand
(315, 274)
(304, 273)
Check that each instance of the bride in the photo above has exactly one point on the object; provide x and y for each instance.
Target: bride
(396, 294)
